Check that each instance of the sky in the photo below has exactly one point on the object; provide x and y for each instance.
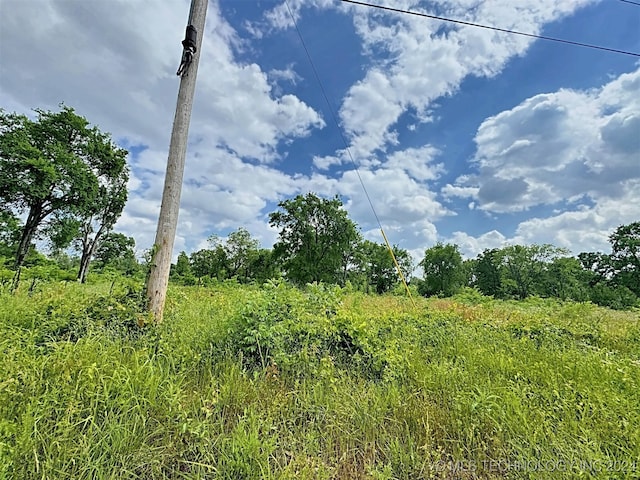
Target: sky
(460, 134)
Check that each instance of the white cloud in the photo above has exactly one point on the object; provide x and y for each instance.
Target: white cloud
(556, 147)
(417, 163)
(471, 246)
(424, 63)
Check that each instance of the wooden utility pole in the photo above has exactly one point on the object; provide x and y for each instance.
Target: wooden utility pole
(156, 287)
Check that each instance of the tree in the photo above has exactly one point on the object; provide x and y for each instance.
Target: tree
(103, 211)
(209, 263)
(523, 267)
(181, 270)
(241, 249)
(487, 276)
(599, 265)
(117, 250)
(263, 266)
(564, 278)
(9, 233)
(376, 266)
(443, 274)
(48, 170)
(625, 256)
(182, 266)
(316, 239)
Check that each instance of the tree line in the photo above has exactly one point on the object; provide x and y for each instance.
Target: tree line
(318, 242)
(68, 181)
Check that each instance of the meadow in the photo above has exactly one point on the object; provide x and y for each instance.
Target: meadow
(274, 382)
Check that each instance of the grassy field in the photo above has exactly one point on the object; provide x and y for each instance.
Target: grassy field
(271, 382)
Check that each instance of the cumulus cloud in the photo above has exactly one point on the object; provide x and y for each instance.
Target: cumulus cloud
(579, 150)
(426, 60)
(471, 246)
(558, 146)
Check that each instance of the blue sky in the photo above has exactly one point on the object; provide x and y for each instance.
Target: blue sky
(461, 134)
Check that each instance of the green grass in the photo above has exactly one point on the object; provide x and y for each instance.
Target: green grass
(244, 382)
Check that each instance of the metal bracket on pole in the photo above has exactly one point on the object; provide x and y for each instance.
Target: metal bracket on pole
(188, 49)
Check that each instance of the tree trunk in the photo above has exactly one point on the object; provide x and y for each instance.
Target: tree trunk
(88, 249)
(84, 266)
(29, 230)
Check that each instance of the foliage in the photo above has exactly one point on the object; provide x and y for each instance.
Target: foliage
(209, 263)
(345, 386)
(50, 170)
(523, 267)
(316, 240)
(101, 215)
(374, 264)
(117, 251)
(625, 256)
(9, 233)
(487, 273)
(443, 274)
(241, 249)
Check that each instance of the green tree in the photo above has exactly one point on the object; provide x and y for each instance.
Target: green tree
(263, 266)
(182, 266)
(375, 264)
(564, 278)
(210, 262)
(181, 271)
(625, 256)
(523, 267)
(598, 265)
(241, 249)
(101, 214)
(117, 251)
(487, 275)
(9, 233)
(443, 274)
(316, 239)
(48, 170)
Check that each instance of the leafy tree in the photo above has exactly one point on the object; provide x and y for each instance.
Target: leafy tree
(181, 270)
(182, 266)
(9, 233)
(102, 213)
(599, 265)
(263, 266)
(241, 249)
(564, 278)
(209, 263)
(375, 264)
(523, 267)
(487, 276)
(613, 296)
(117, 250)
(316, 239)
(48, 170)
(443, 274)
(625, 256)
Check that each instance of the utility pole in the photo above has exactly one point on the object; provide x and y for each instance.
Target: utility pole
(156, 285)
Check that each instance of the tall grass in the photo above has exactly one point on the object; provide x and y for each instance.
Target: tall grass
(245, 382)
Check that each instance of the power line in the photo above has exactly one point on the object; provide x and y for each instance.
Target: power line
(348, 150)
(471, 24)
(632, 3)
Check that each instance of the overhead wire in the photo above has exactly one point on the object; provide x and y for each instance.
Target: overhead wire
(632, 3)
(348, 150)
(488, 27)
